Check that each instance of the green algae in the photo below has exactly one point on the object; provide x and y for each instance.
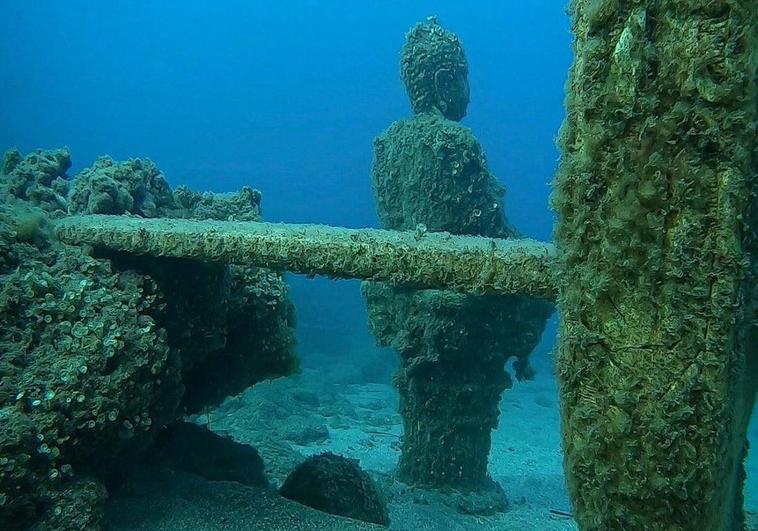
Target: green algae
(656, 202)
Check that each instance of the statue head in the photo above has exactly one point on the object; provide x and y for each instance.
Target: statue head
(435, 71)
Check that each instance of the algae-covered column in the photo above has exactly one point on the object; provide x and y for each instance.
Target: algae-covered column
(655, 201)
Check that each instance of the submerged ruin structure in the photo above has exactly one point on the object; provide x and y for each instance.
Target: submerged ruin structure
(656, 204)
(430, 174)
(656, 272)
(99, 349)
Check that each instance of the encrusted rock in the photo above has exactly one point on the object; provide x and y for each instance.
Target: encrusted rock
(336, 485)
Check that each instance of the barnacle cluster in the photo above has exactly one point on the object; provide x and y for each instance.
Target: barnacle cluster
(100, 351)
(109, 187)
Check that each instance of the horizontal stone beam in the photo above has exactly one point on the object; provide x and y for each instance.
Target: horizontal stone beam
(420, 259)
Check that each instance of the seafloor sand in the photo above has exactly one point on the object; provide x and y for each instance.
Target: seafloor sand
(320, 410)
(360, 421)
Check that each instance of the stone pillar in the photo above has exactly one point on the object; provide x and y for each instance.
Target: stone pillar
(655, 199)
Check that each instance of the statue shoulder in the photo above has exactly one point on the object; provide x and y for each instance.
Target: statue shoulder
(429, 129)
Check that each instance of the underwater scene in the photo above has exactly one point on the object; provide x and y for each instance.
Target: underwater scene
(428, 265)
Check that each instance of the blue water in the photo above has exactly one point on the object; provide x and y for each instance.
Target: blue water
(283, 96)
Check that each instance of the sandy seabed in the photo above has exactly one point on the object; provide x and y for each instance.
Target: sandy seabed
(326, 409)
